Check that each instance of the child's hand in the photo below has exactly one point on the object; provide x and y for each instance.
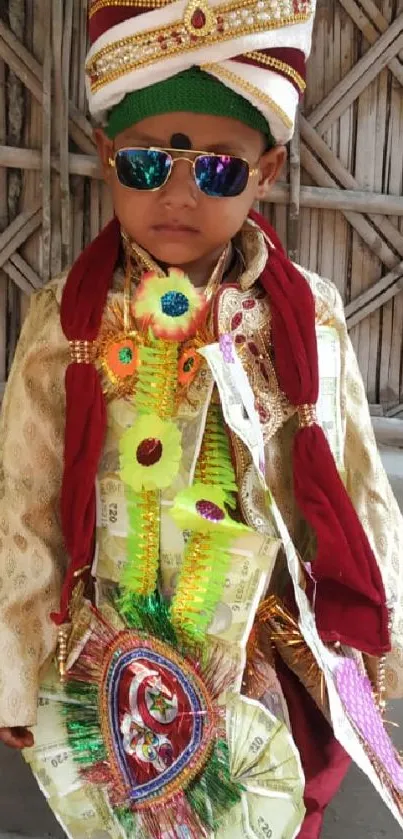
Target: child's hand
(16, 738)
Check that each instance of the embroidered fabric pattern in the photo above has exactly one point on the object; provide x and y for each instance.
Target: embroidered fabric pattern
(246, 315)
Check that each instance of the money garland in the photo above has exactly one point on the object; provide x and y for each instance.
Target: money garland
(155, 736)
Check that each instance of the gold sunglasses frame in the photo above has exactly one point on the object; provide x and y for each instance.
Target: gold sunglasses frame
(252, 172)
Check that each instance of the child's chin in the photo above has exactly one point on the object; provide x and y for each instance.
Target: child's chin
(174, 253)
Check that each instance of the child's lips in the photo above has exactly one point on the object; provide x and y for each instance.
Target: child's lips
(171, 229)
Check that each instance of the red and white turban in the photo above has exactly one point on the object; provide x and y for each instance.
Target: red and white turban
(258, 48)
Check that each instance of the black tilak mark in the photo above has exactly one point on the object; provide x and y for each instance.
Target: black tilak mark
(180, 141)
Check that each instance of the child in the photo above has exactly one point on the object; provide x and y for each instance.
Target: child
(219, 590)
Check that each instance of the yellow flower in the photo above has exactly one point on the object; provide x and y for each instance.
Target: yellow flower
(150, 453)
(170, 306)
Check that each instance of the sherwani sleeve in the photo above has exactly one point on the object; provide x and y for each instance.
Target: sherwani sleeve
(32, 556)
(370, 491)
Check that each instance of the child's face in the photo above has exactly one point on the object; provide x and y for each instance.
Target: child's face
(178, 224)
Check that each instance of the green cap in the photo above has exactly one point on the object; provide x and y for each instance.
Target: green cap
(193, 90)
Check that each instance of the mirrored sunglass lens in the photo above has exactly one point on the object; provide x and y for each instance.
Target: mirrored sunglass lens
(221, 176)
(142, 168)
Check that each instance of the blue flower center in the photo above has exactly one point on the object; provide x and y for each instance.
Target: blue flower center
(125, 355)
(174, 304)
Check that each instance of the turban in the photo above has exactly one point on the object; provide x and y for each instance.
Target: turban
(256, 48)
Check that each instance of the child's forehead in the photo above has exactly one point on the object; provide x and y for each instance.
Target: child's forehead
(200, 132)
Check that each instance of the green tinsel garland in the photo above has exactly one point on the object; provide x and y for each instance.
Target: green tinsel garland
(215, 465)
(214, 785)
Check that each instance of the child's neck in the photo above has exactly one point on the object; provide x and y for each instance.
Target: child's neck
(200, 271)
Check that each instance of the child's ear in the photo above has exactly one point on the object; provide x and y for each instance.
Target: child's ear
(270, 165)
(105, 152)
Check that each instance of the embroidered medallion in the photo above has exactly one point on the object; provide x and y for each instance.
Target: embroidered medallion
(159, 721)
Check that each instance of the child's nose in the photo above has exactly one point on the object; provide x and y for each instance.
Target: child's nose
(181, 188)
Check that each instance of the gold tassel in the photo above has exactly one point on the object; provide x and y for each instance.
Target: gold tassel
(279, 627)
(62, 647)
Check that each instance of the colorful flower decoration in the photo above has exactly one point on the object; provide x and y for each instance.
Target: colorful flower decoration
(150, 453)
(170, 306)
(121, 358)
(202, 508)
(189, 365)
(117, 353)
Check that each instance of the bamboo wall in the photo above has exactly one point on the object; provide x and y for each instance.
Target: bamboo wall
(338, 207)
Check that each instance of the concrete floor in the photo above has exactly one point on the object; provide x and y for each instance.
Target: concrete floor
(356, 813)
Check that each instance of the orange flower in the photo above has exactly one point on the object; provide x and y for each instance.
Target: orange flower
(189, 364)
(121, 358)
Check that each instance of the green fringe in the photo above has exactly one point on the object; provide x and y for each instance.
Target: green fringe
(215, 464)
(213, 793)
(84, 733)
(147, 614)
(82, 692)
(128, 820)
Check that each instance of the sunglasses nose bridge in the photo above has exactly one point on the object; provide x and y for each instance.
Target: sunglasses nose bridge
(179, 176)
(181, 157)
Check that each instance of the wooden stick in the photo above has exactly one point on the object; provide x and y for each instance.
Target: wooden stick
(18, 279)
(346, 179)
(20, 68)
(337, 199)
(377, 295)
(3, 225)
(18, 232)
(25, 269)
(22, 274)
(357, 221)
(47, 143)
(350, 88)
(295, 190)
(370, 33)
(30, 72)
(64, 19)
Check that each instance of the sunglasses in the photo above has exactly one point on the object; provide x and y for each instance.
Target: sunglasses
(216, 175)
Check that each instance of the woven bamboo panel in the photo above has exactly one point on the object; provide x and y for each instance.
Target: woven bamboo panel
(338, 206)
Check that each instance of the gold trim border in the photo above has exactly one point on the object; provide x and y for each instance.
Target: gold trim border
(251, 89)
(275, 64)
(98, 5)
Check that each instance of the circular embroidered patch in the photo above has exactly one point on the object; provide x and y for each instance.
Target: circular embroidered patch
(157, 717)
